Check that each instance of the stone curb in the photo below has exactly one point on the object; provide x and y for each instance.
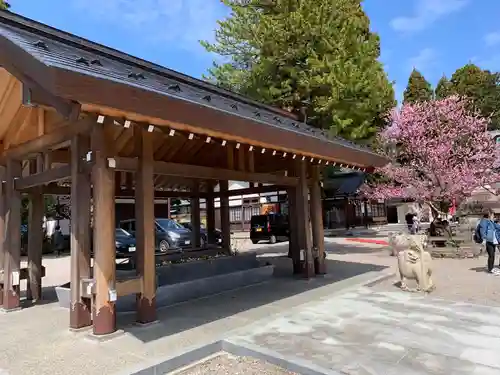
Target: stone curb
(197, 354)
(176, 362)
(296, 365)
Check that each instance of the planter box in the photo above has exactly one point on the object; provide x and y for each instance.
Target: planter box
(180, 292)
(183, 281)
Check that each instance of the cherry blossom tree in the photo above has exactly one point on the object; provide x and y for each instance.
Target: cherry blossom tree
(440, 151)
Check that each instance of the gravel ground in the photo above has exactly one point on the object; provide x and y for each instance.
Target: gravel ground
(226, 363)
(463, 280)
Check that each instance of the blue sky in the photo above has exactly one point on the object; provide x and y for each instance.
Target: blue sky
(435, 36)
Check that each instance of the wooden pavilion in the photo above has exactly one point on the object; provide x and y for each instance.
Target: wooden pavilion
(117, 126)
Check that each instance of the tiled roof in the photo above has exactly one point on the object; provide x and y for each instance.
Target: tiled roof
(61, 50)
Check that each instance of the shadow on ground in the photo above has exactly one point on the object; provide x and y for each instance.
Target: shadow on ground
(481, 269)
(209, 310)
(364, 233)
(331, 248)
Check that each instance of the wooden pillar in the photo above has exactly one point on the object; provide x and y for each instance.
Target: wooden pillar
(304, 228)
(210, 210)
(12, 260)
(230, 156)
(196, 216)
(317, 222)
(81, 312)
(3, 237)
(35, 238)
(365, 213)
(251, 161)
(104, 309)
(224, 216)
(241, 159)
(293, 244)
(347, 213)
(145, 232)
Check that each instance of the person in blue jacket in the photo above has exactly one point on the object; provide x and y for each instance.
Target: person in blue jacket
(490, 233)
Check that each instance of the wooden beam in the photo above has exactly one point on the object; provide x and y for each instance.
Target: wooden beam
(255, 190)
(40, 121)
(43, 178)
(188, 151)
(34, 94)
(21, 120)
(175, 148)
(316, 210)
(53, 189)
(104, 308)
(80, 309)
(292, 142)
(122, 140)
(12, 261)
(206, 173)
(145, 227)
(129, 286)
(35, 238)
(224, 216)
(47, 141)
(9, 88)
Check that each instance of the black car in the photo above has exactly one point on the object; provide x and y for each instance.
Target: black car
(204, 234)
(124, 243)
(271, 227)
(169, 234)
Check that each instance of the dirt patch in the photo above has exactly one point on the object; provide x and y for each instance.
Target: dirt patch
(225, 364)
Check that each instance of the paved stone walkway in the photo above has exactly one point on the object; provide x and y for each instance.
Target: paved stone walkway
(385, 333)
(376, 329)
(37, 341)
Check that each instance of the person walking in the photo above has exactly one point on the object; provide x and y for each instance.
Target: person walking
(409, 220)
(490, 233)
(58, 241)
(415, 225)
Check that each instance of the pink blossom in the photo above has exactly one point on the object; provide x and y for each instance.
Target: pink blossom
(443, 153)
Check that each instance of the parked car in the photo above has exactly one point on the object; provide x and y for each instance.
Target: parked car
(169, 234)
(271, 227)
(124, 243)
(204, 234)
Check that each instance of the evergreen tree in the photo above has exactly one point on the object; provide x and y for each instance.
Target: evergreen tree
(443, 88)
(312, 57)
(418, 89)
(482, 88)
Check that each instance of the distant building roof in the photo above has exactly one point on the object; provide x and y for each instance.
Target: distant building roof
(343, 184)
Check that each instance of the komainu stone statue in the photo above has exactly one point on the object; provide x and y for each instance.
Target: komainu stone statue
(398, 242)
(415, 263)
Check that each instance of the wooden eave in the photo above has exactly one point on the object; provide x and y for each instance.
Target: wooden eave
(73, 71)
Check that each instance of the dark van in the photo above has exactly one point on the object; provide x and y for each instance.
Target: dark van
(271, 227)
